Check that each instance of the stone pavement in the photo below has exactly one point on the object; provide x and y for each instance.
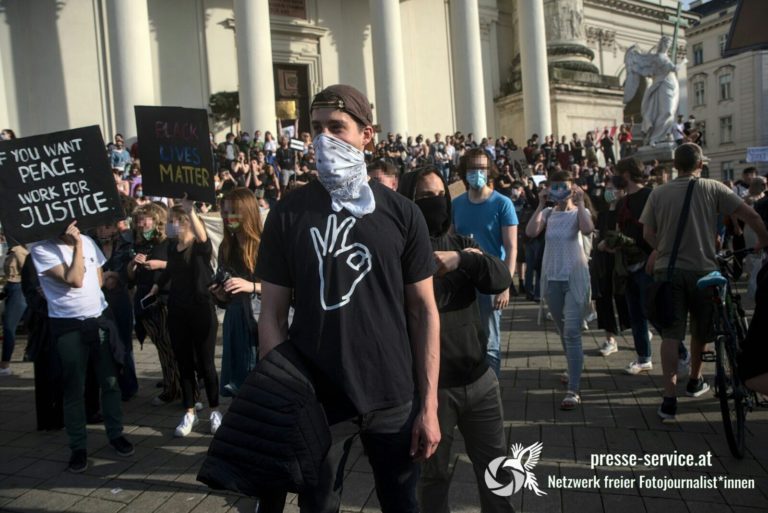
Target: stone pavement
(617, 417)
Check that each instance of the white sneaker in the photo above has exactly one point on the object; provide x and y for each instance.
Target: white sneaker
(650, 335)
(684, 366)
(187, 423)
(636, 368)
(591, 317)
(609, 347)
(6, 372)
(215, 421)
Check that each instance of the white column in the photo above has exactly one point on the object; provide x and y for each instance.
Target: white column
(254, 65)
(533, 67)
(468, 68)
(131, 63)
(388, 71)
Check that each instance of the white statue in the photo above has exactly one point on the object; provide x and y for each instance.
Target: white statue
(659, 105)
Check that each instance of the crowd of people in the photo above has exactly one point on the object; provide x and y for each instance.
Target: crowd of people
(387, 290)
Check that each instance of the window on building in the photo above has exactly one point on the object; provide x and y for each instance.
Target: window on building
(698, 93)
(726, 129)
(698, 54)
(728, 170)
(725, 86)
(722, 40)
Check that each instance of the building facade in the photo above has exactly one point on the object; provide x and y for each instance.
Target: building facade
(427, 65)
(727, 95)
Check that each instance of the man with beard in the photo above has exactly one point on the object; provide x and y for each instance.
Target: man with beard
(488, 217)
(468, 391)
(351, 253)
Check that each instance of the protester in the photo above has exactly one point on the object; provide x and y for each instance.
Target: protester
(383, 172)
(115, 242)
(609, 298)
(119, 157)
(468, 391)
(69, 269)
(695, 258)
(15, 304)
(565, 273)
(374, 270)
(150, 250)
(192, 321)
(234, 285)
(488, 217)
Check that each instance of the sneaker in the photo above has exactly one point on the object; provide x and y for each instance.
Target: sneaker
(215, 421)
(584, 325)
(160, 400)
(198, 406)
(609, 347)
(696, 387)
(636, 368)
(6, 372)
(591, 317)
(122, 446)
(684, 366)
(187, 423)
(78, 461)
(668, 409)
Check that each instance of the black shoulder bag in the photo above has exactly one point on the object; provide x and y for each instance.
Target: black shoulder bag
(659, 307)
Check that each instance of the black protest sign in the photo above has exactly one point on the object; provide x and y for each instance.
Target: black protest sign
(175, 152)
(48, 181)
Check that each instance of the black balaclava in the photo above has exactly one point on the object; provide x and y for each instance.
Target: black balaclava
(436, 213)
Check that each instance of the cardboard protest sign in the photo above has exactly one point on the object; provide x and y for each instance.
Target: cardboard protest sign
(175, 153)
(48, 181)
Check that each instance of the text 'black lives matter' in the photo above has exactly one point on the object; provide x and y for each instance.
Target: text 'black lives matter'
(175, 152)
(48, 181)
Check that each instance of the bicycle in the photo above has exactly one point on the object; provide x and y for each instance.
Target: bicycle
(730, 328)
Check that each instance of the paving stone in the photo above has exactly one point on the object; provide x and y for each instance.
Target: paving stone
(42, 500)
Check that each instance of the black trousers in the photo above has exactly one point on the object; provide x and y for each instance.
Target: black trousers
(193, 337)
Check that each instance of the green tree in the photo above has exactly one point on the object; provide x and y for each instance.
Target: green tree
(225, 109)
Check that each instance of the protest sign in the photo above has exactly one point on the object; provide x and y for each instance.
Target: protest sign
(48, 181)
(297, 144)
(175, 152)
(757, 154)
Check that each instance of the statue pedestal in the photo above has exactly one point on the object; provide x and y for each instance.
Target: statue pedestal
(663, 152)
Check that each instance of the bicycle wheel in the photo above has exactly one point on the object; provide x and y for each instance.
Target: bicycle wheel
(731, 393)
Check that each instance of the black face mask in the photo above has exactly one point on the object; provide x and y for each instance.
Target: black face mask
(435, 210)
(619, 182)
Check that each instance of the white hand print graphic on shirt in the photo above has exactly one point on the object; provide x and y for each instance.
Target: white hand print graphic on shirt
(342, 265)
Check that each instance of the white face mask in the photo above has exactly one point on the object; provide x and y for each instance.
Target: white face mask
(341, 170)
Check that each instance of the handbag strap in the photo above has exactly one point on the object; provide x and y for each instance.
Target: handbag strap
(680, 228)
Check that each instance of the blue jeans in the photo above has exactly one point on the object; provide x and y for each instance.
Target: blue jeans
(533, 253)
(492, 320)
(637, 286)
(568, 313)
(15, 306)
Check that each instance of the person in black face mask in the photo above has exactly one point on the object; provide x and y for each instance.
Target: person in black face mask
(468, 390)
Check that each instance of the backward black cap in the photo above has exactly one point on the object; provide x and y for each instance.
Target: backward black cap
(346, 99)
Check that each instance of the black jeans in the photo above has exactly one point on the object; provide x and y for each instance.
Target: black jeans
(386, 438)
(193, 337)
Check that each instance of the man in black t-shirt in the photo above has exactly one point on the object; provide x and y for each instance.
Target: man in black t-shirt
(285, 157)
(351, 253)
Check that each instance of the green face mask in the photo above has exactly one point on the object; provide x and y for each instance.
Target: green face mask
(148, 234)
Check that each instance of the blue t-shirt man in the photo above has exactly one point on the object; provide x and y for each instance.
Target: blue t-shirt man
(483, 221)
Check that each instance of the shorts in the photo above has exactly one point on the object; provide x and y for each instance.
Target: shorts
(687, 298)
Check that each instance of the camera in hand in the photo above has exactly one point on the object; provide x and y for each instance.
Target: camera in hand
(220, 276)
